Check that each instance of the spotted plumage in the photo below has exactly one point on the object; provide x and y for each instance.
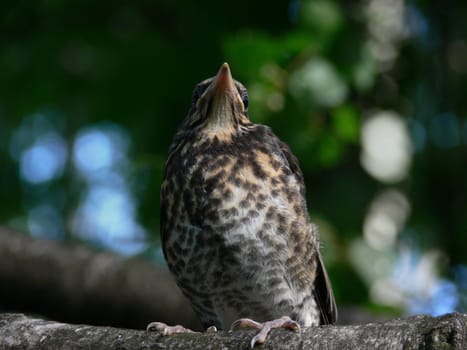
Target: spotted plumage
(235, 227)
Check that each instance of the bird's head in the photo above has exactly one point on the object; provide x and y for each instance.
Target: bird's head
(220, 104)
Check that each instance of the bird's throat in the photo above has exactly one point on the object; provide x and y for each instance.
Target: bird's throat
(220, 116)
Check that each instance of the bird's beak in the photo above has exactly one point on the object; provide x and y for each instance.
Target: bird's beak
(222, 86)
(221, 102)
(223, 81)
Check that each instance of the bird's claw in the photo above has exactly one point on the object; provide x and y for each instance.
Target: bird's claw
(165, 329)
(265, 328)
(212, 329)
(245, 323)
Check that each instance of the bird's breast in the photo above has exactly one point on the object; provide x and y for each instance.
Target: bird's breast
(236, 221)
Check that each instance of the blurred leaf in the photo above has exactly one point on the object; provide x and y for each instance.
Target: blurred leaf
(321, 17)
(364, 72)
(329, 150)
(346, 123)
(249, 51)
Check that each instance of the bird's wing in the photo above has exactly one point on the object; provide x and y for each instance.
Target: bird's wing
(293, 164)
(163, 219)
(322, 291)
(169, 167)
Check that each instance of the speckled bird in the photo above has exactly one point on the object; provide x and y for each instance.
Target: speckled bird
(235, 227)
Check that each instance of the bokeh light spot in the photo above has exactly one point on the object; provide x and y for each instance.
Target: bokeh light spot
(92, 151)
(44, 160)
(107, 213)
(386, 147)
(385, 219)
(318, 81)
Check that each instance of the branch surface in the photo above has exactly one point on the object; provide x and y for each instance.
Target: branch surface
(20, 332)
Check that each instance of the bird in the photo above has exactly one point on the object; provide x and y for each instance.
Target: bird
(235, 228)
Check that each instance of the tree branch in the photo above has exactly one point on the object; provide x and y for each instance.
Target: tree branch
(20, 332)
(72, 283)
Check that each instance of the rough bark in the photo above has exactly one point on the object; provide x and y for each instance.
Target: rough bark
(20, 332)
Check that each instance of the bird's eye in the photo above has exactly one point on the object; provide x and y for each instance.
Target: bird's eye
(245, 101)
(243, 94)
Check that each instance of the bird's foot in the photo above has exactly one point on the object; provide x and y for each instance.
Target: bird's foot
(169, 330)
(265, 328)
(212, 329)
